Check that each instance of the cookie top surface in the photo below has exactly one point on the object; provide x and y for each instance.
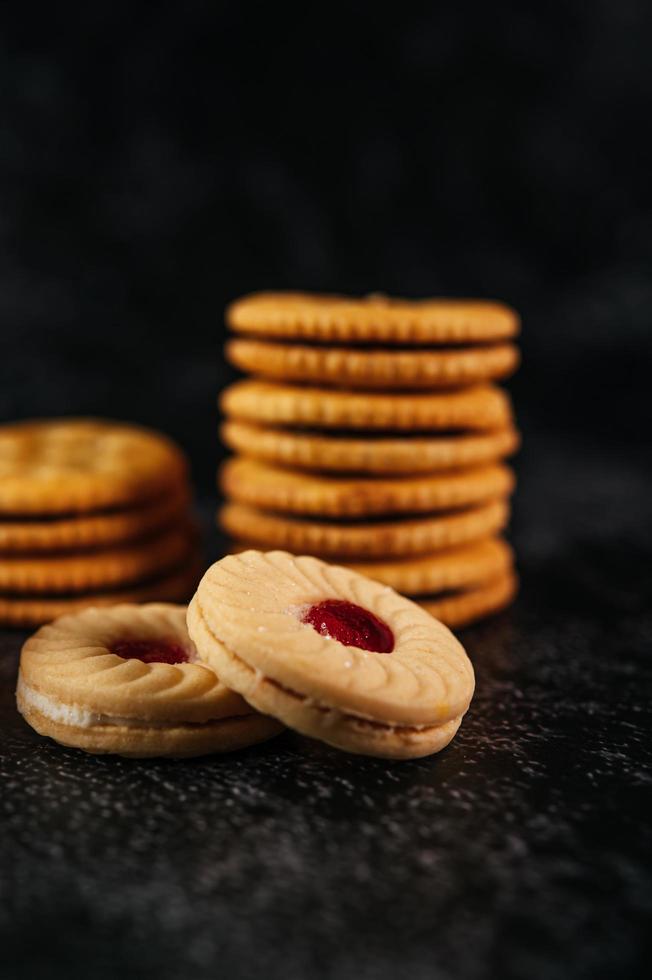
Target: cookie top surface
(371, 319)
(75, 465)
(265, 609)
(127, 661)
(481, 407)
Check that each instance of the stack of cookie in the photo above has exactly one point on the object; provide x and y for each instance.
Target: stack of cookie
(372, 432)
(91, 513)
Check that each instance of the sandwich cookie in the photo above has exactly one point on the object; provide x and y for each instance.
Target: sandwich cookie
(362, 539)
(478, 408)
(374, 454)
(372, 319)
(68, 466)
(257, 484)
(126, 681)
(331, 653)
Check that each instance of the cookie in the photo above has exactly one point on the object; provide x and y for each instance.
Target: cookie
(93, 530)
(125, 681)
(355, 368)
(248, 481)
(455, 568)
(374, 539)
(372, 319)
(175, 586)
(88, 571)
(331, 653)
(479, 408)
(465, 607)
(370, 454)
(67, 466)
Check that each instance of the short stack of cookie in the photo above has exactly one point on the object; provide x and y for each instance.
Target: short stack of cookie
(373, 432)
(91, 513)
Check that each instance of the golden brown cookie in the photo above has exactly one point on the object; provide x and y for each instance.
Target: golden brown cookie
(125, 680)
(66, 466)
(373, 539)
(248, 481)
(175, 586)
(93, 530)
(87, 571)
(455, 568)
(372, 319)
(370, 454)
(331, 653)
(347, 367)
(479, 408)
(465, 607)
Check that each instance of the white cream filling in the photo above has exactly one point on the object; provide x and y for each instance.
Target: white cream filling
(76, 716)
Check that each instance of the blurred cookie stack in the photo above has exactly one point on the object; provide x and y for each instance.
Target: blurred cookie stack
(91, 513)
(372, 432)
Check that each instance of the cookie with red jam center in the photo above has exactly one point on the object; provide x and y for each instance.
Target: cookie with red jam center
(331, 653)
(125, 680)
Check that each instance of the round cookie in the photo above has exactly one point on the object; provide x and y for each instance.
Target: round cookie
(479, 408)
(248, 481)
(347, 367)
(86, 571)
(465, 607)
(359, 540)
(371, 319)
(125, 681)
(175, 586)
(93, 530)
(456, 568)
(67, 466)
(373, 454)
(331, 653)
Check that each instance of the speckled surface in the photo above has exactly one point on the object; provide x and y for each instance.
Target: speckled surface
(520, 851)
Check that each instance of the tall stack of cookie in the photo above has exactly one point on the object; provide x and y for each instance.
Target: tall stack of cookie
(91, 513)
(373, 432)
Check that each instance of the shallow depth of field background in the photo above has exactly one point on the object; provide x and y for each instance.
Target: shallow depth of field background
(158, 160)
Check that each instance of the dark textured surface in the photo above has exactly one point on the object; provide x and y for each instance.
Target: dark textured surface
(519, 851)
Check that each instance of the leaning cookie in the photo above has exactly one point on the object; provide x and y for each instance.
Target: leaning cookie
(124, 680)
(332, 654)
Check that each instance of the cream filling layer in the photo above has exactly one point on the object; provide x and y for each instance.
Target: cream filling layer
(338, 715)
(78, 717)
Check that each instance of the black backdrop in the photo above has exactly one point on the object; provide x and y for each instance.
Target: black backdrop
(157, 160)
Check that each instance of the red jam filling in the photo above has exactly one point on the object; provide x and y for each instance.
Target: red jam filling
(350, 624)
(151, 651)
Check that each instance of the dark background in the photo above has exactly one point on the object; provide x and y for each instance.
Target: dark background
(158, 160)
(161, 159)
